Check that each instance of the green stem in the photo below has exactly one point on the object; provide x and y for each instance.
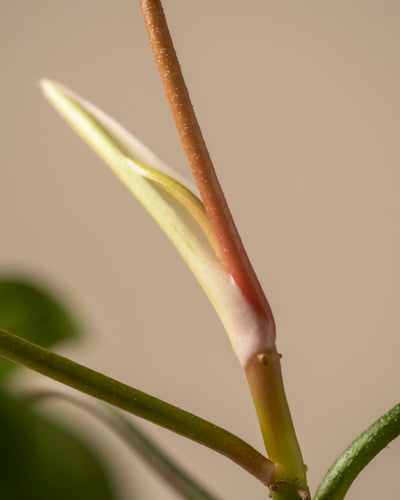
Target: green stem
(361, 451)
(136, 402)
(266, 385)
(135, 438)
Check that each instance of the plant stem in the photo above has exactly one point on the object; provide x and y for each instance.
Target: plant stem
(136, 402)
(265, 379)
(232, 250)
(266, 385)
(361, 451)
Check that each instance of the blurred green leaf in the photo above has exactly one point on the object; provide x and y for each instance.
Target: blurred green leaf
(41, 460)
(162, 463)
(33, 314)
(134, 437)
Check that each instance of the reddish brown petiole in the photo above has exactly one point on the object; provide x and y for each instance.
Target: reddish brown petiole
(232, 250)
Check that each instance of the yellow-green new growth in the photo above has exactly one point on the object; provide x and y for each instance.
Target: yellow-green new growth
(175, 207)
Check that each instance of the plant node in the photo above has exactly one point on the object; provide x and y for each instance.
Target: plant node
(263, 358)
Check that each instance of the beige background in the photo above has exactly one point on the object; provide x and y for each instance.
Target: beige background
(299, 104)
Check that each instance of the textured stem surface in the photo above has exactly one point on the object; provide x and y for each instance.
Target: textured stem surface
(361, 451)
(232, 251)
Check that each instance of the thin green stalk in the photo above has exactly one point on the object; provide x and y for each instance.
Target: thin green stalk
(138, 441)
(266, 385)
(361, 451)
(136, 402)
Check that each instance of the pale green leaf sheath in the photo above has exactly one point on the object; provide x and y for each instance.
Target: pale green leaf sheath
(174, 206)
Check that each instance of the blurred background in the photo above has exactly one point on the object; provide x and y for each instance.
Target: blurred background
(299, 105)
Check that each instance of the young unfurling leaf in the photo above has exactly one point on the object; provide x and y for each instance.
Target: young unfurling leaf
(173, 204)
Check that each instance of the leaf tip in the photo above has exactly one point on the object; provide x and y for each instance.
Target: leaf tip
(53, 91)
(46, 85)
